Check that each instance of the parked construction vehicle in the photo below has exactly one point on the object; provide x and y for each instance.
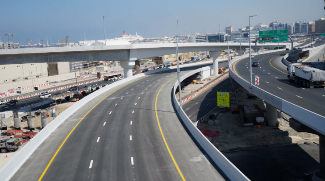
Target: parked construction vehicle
(310, 74)
(10, 145)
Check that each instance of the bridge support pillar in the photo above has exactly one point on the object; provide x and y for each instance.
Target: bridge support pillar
(322, 156)
(127, 67)
(214, 56)
(271, 115)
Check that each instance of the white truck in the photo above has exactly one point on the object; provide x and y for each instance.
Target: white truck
(309, 74)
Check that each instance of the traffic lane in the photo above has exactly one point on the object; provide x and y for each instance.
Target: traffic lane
(192, 162)
(277, 84)
(33, 168)
(151, 161)
(204, 103)
(82, 146)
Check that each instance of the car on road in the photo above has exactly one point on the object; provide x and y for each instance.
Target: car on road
(72, 88)
(145, 70)
(255, 64)
(44, 95)
(12, 102)
(252, 56)
(161, 66)
(2, 102)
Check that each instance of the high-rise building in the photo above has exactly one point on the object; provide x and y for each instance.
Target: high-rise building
(229, 29)
(304, 27)
(298, 27)
(320, 25)
(290, 29)
(274, 25)
(311, 27)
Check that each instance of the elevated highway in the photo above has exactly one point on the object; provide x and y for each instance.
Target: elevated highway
(129, 133)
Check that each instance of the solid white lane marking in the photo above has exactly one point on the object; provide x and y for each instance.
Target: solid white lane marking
(135, 104)
(131, 123)
(130, 137)
(132, 163)
(91, 164)
(110, 112)
(298, 96)
(139, 98)
(104, 124)
(132, 111)
(98, 139)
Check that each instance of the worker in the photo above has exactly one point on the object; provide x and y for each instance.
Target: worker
(48, 114)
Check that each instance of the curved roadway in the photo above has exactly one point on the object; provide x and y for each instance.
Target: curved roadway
(124, 137)
(273, 79)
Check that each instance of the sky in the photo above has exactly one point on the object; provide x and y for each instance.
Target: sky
(57, 19)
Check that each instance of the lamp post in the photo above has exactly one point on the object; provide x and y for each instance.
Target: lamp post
(178, 71)
(250, 55)
(104, 29)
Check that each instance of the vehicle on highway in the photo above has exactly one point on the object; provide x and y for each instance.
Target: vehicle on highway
(2, 102)
(161, 66)
(310, 74)
(255, 64)
(72, 88)
(252, 56)
(44, 95)
(12, 102)
(145, 70)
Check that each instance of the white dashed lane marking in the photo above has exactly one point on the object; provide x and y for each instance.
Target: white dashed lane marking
(299, 96)
(104, 124)
(132, 163)
(131, 123)
(91, 164)
(110, 112)
(98, 139)
(130, 137)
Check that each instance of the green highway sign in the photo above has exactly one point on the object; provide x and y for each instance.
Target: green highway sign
(273, 36)
(322, 34)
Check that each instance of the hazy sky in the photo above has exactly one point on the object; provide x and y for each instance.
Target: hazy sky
(150, 18)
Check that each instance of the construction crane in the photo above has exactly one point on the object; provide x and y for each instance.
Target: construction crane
(8, 35)
(67, 40)
(13, 37)
(31, 41)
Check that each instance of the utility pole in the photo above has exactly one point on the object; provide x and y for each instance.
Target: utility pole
(250, 55)
(219, 34)
(178, 71)
(85, 37)
(47, 41)
(8, 36)
(104, 29)
(240, 44)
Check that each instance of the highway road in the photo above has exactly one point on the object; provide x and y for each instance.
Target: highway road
(133, 134)
(273, 78)
(205, 102)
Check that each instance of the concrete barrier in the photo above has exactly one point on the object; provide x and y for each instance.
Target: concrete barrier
(229, 169)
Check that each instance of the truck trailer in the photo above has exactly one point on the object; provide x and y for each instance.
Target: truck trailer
(309, 74)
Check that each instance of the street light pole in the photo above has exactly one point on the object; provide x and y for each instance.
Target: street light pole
(240, 45)
(178, 71)
(250, 56)
(104, 29)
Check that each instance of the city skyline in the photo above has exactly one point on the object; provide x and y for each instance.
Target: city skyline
(59, 19)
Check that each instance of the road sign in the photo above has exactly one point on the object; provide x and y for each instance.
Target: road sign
(273, 36)
(257, 80)
(223, 99)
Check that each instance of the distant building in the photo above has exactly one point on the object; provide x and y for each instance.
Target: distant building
(304, 28)
(311, 27)
(320, 25)
(274, 25)
(229, 29)
(200, 38)
(290, 29)
(261, 27)
(9, 45)
(216, 37)
(297, 27)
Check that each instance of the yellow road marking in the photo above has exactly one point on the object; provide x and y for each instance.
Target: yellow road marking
(274, 67)
(162, 134)
(57, 151)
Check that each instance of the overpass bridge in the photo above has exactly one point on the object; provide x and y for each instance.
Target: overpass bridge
(126, 54)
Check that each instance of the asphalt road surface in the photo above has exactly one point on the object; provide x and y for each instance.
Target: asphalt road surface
(122, 139)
